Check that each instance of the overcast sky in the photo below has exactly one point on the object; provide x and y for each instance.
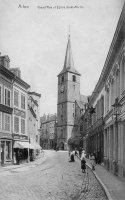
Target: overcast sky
(35, 39)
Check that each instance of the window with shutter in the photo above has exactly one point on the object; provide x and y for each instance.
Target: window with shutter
(7, 122)
(7, 97)
(16, 98)
(16, 124)
(22, 101)
(0, 121)
(0, 94)
(23, 126)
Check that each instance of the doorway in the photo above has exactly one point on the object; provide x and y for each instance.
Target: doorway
(2, 152)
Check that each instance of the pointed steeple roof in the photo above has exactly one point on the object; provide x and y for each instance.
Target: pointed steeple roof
(68, 62)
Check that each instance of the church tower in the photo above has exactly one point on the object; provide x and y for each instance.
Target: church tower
(68, 93)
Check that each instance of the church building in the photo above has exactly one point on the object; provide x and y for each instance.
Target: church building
(68, 95)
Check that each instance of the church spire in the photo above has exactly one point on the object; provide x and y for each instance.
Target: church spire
(68, 63)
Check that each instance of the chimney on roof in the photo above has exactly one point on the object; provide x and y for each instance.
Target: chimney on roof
(5, 61)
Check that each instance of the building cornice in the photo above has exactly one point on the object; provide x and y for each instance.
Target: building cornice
(21, 82)
(6, 109)
(116, 45)
(6, 72)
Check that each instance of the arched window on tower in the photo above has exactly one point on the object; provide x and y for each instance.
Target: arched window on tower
(62, 79)
(61, 117)
(74, 78)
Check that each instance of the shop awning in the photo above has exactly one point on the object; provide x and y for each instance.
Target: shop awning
(34, 145)
(22, 145)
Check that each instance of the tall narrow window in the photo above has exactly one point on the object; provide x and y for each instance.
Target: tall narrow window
(8, 151)
(16, 98)
(7, 97)
(22, 101)
(0, 121)
(7, 122)
(16, 124)
(107, 100)
(62, 78)
(123, 75)
(74, 78)
(23, 126)
(61, 117)
(62, 133)
(0, 94)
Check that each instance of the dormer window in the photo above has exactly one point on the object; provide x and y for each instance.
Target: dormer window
(62, 78)
(74, 78)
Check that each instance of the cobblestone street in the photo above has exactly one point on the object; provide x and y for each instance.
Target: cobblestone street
(54, 179)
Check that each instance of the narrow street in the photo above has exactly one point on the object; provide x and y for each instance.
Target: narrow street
(53, 179)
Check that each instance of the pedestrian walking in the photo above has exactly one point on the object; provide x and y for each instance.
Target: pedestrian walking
(92, 158)
(83, 165)
(72, 156)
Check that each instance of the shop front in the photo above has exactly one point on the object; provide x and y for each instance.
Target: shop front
(20, 149)
(34, 150)
(23, 151)
(5, 149)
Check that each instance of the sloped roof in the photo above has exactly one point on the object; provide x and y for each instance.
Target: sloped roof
(81, 104)
(84, 98)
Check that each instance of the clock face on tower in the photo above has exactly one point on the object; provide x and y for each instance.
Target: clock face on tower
(62, 89)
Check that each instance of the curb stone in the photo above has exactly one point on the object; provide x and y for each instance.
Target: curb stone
(103, 185)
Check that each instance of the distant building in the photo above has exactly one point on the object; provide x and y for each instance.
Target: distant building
(48, 131)
(68, 96)
(34, 122)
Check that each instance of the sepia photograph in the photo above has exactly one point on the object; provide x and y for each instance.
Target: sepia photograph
(62, 100)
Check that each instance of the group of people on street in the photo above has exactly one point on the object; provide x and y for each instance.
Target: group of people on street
(83, 159)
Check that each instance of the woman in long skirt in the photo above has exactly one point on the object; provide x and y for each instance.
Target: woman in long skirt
(92, 158)
(83, 165)
(72, 157)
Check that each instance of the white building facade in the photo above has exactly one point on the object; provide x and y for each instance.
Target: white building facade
(111, 86)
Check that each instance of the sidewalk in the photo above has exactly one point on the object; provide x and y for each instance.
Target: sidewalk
(113, 186)
(40, 159)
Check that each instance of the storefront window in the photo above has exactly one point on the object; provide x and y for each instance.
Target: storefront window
(8, 146)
